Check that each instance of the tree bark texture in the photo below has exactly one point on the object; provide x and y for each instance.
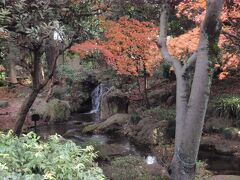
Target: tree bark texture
(22, 112)
(12, 71)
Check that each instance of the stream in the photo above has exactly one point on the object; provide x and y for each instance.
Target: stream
(72, 130)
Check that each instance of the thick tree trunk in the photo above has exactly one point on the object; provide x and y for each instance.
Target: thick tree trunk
(23, 111)
(187, 147)
(191, 106)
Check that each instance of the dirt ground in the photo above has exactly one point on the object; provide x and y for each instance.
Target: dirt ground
(8, 114)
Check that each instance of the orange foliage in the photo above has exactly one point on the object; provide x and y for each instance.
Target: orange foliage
(184, 45)
(127, 45)
(195, 10)
(230, 16)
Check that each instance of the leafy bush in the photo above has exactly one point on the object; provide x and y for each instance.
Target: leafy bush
(161, 113)
(201, 172)
(59, 92)
(162, 70)
(130, 167)
(66, 71)
(229, 107)
(28, 158)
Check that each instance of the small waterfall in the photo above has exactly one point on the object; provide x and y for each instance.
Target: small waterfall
(96, 96)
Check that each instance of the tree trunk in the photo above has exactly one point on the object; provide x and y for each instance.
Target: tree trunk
(23, 111)
(139, 85)
(191, 106)
(52, 51)
(145, 89)
(12, 71)
(187, 146)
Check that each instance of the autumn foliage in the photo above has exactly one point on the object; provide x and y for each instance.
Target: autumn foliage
(128, 45)
(229, 37)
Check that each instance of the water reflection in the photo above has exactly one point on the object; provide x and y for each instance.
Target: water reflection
(151, 160)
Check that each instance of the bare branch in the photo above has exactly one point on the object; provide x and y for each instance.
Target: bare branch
(50, 75)
(24, 64)
(162, 39)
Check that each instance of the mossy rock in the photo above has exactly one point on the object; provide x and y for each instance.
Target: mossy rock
(113, 102)
(132, 167)
(89, 128)
(231, 133)
(55, 111)
(108, 151)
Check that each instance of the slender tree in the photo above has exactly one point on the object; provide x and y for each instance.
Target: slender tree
(32, 23)
(191, 105)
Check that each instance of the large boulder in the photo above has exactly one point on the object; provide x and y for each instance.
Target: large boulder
(80, 95)
(106, 151)
(148, 131)
(55, 111)
(113, 102)
(112, 124)
(165, 94)
(133, 167)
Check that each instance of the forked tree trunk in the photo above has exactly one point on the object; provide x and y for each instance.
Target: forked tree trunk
(191, 106)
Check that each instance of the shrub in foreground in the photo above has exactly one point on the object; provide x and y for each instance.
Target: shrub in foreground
(229, 107)
(28, 158)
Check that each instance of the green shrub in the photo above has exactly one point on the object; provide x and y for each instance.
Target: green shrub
(27, 158)
(229, 133)
(135, 118)
(201, 171)
(59, 92)
(130, 167)
(229, 107)
(161, 113)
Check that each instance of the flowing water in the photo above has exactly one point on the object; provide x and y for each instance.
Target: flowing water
(72, 130)
(96, 96)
